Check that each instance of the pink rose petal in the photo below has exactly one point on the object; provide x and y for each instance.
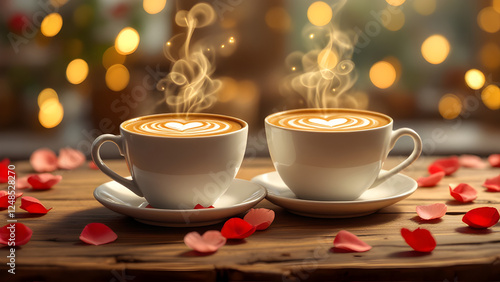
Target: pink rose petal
(431, 180)
(494, 160)
(347, 241)
(463, 192)
(97, 234)
(448, 165)
(70, 158)
(483, 217)
(472, 161)
(210, 242)
(23, 234)
(421, 240)
(33, 205)
(43, 181)
(432, 211)
(43, 160)
(492, 184)
(260, 218)
(22, 182)
(4, 199)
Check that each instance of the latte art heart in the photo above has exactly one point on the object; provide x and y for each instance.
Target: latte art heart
(330, 123)
(183, 126)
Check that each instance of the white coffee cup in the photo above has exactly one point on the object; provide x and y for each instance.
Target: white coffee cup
(176, 163)
(322, 155)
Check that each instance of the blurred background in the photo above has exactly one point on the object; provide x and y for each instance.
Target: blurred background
(71, 70)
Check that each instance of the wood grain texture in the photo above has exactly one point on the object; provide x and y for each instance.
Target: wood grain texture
(294, 248)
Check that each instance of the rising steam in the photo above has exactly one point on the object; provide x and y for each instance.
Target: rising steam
(324, 74)
(188, 87)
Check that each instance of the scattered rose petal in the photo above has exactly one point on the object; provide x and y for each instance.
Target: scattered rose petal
(23, 233)
(345, 240)
(97, 234)
(431, 180)
(472, 161)
(4, 199)
(70, 158)
(4, 173)
(5, 161)
(492, 184)
(92, 165)
(448, 165)
(421, 240)
(237, 228)
(481, 217)
(199, 207)
(463, 192)
(432, 211)
(22, 182)
(494, 160)
(210, 242)
(260, 218)
(43, 160)
(33, 205)
(43, 181)
(149, 206)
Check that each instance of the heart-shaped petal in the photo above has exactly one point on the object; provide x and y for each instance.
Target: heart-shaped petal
(448, 165)
(421, 240)
(347, 241)
(33, 205)
(4, 170)
(43, 160)
(210, 242)
(97, 234)
(200, 207)
(22, 182)
(432, 211)
(237, 228)
(22, 234)
(463, 192)
(70, 158)
(492, 184)
(5, 202)
(494, 160)
(483, 217)
(260, 218)
(431, 180)
(43, 181)
(472, 161)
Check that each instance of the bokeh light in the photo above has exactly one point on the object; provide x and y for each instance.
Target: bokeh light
(383, 74)
(327, 59)
(51, 113)
(153, 6)
(112, 57)
(474, 79)
(117, 77)
(58, 3)
(395, 22)
(395, 2)
(77, 71)
(46, 95)
(424, 7)
(489, 56)
(496, 5)
(127, 41)
(82, 16)
(489, 20)
(491, 97)
(51, 24)
(319, 13)
(278, 19)
(435, 49)
(450, 106)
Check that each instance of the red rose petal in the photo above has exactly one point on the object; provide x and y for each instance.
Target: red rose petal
(97, 234)
(210, 242)
(492, 184)
(4, 199)
(421, 240)
(33, 205)
(463, 192)
(92, 165)
(431, 180)
(70, 158)
(22, 182)
(448, 165)
(472, 161)
(481, 217)
(23, 234)
(494, 160)
(237, 228)
(43, 160)
(5, 162)
(4, 173)
(432, 211)
(43, 181)
(199, 207)
(260, 218)
(345, 240)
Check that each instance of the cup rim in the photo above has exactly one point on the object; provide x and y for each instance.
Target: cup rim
(328, 109)
(244, 125)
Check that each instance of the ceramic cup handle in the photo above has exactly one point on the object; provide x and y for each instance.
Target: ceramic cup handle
(417, 149)
(118, 141)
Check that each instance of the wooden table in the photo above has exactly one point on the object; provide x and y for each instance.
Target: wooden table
(294, 248)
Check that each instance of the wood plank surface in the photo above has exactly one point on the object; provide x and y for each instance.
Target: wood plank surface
(294, 248)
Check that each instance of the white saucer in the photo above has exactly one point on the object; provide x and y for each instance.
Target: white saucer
(391, 191)
(240, 196)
